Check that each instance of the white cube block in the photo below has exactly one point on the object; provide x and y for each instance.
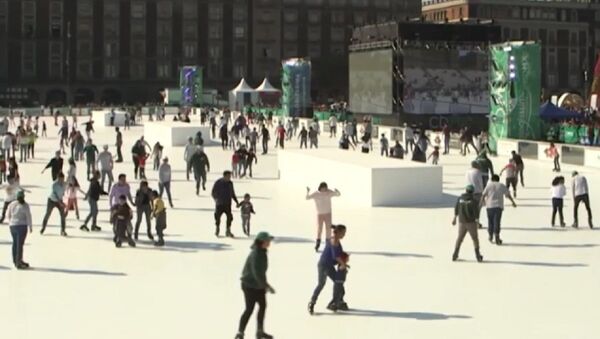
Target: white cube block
(102, 118)
(175, 133)
(363, 179)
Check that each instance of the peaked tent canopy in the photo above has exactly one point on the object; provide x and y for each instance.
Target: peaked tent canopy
(243, 87)
(266, 86)
(242, 95)
(549, 111)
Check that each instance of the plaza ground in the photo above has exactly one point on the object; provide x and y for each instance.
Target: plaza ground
(542, 283)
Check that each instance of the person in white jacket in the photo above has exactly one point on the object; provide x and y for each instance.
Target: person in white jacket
(190, 149)
(164, 180)
(579, 187)
(19, 215)
(322, 198)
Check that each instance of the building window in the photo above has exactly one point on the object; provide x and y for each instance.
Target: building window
(56, 19)
(85, 8)
(29, 18)
(239, 51)
(516, 13)
(110, 70)
(215, 12)
(84, 29)
(84, 70)
(314, 50)
(111, 28)
(138, 70)
(111, 9)
(239, 13)
(360, 3)
(28, 59)
(360, 18)
(383, 4)
(214, 52)
(190, 9)
(3, 17)
(84, 48)
(215, 32)
(239, 32)
(291, 17)
(290, 33)
(111, 49)
(189, 50)
(338, 17)
(190, 31)
(163, 49)
(214, 69)
(337, 3)
(314, 17)
(163, 29)
(164, 9)
(163, 70)
(138, 10)
(138, 28)
(290, 51)
(338, 34)
(239, 71)
(138, 48)
(314, 34)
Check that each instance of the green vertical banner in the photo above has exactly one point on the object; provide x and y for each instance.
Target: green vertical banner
(295, 87)
(515, 85)
(198, 89)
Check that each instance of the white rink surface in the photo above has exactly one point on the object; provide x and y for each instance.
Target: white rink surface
(542, 283)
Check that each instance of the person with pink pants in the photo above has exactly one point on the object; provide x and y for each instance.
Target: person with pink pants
(322, 198)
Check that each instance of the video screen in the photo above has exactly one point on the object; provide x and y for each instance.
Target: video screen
(371, 82)
(446, 81)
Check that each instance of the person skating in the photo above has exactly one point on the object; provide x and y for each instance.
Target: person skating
(119, 144)
(466, 210)
(579, 187)
(91, 151)
(143, 204)
(106, 165)
(520, 165)
(250, 159)
(159, 212)
(255, 285)
(121, 218)
(164, 180)
(485, 166)
(330, 257)
(55, 164)
(247, 210)
(493, 198)
(511, 176)
(188, 152)
(19, 216)
(333, 126)
(552, 152)
(265, 137)
(558, 192)
(55, 201)
(201, 166)
(339, 291)
(95, 190)
(222, 193)
(322, 198)
(384, 143)
(474, 178)
(156, 155)
(303, 137)
(313, 137)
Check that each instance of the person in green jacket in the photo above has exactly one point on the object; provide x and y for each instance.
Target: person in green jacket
(485, 166)
(466, 210)
(255, 285)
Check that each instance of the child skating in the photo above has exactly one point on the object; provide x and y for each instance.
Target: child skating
(558, 192)
(247, 210)
(338, 303)
(159, 212)
(435, 155)
(71, 198)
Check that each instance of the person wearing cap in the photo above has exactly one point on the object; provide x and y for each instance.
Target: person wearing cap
(255, 285)
(200, 165)
(164, 180)
(493, 198)
(55, 201)
(466, 210)
(93, 194)
(330, 257)
(579, 187)
(106, 165)
(188, 152)
(55, 164)
(222, 193)
(474, 178)
(19, 216)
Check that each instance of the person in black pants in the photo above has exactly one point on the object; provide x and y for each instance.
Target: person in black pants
(265, 139)
(119, 144)
(580, 189)
(92, 196)
(55, 164)
(223, 134)
(255, 285)
(223, 193)
(520, 165)
(143, 204)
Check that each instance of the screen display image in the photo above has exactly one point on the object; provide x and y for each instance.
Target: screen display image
(371, 82)
(446, 81)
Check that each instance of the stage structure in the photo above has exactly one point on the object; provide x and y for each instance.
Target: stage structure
(515, 87)
(190, 82)
(295, 86)
(420, 73)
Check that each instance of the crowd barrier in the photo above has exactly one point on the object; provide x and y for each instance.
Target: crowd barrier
(588, 156)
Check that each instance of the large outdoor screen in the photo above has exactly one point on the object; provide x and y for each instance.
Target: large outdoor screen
(371, 82)
(446, 81)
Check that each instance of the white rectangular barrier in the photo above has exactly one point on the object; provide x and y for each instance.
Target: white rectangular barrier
(174, 133)
(363, 179)
(102, 118)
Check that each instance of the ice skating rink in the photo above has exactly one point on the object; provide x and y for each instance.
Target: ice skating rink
(542, 283)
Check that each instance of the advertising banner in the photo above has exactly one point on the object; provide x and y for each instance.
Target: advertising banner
(295, 86)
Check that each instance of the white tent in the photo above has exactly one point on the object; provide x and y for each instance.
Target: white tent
(242, 95)
(266, 87)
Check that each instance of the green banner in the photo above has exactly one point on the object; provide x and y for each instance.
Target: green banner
(295, 87)
(515, 85)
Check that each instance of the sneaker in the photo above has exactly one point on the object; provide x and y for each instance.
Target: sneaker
(96, 229)
(118, 244)
(25, 264)
(332, 307)
(229, 234)
(311, 308)
(498, 241)
(84, 228)
(63, 233)
(343, 306)
(21, 266)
